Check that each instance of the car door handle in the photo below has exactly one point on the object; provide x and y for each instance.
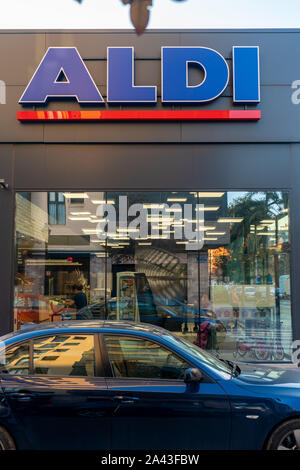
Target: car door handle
(128, 400)
(27, 395)
(21, 396)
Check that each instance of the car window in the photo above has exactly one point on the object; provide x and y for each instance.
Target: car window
(15, 359)
(64, 355)
(205, 357)
(141, 358)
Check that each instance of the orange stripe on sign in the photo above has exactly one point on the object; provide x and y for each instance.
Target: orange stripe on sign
(40, 114)
(94, 115)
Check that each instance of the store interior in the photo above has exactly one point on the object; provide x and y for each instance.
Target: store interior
(213, 267)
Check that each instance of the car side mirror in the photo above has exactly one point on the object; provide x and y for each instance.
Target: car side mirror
(192, 375)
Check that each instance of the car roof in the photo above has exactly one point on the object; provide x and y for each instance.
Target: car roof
(83, 326)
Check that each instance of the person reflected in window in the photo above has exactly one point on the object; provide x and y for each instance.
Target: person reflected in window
(78, 300)
(235, 315)
(206, 305)
(127, 303)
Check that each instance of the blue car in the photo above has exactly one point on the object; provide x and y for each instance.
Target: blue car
(122, 385)
(172, 317)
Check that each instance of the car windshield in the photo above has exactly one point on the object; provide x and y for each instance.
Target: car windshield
(200, 354)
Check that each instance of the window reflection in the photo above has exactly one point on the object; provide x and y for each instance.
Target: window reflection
(229, 294)
(64, 356)
(16, 361)
(140, 358)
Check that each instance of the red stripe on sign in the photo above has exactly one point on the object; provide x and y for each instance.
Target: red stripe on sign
(153, 115)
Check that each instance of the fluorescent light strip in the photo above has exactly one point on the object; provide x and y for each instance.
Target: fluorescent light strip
(125, 230)
(153, 206)
(267, 234)
(90, 231)
(52, 262)
(156, 237)
(230, 220)
(208, 208)
(177, 199)
(76, 195)
(81, 213)
(102, 201)
(210, 194)
(189, 242)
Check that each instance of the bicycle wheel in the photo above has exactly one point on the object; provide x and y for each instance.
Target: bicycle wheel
(242, 352)
(261, 352)
(279, 353)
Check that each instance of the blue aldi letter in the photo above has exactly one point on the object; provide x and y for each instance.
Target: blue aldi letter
(175, 74)
(246, 79)
(61, 62)
(120, 78)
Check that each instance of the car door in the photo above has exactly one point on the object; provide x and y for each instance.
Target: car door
(54, 387)
(152, 407)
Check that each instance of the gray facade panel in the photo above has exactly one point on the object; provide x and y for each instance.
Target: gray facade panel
(11, 130)
(6, 238)
(20, 54)
(94, 45)
(179, 167)
(113, 132)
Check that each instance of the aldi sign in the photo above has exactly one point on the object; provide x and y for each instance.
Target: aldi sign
(62, 74)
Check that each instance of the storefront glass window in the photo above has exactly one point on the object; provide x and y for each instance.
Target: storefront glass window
(212, 267)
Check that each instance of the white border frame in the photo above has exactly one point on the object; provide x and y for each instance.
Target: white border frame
(258, 72)
(191, 101)
(61, 96)
(133, 77)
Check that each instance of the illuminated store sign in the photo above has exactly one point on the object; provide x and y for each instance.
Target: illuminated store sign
(62, 74)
